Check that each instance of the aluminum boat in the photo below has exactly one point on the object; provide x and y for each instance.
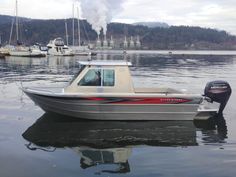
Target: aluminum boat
(103, 90)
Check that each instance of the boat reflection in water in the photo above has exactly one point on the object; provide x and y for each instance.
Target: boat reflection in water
(103, 142)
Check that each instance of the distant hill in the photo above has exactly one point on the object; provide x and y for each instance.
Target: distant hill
(173, 37)
(4, 19)
(153, 24)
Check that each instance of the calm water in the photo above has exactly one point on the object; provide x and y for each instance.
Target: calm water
(36, 144)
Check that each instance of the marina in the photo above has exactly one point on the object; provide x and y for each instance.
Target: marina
(55, 143)
(117, 88)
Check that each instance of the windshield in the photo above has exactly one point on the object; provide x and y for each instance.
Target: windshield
(81, 68)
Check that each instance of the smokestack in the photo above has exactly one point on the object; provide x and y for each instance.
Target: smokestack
(105, 43)
(125, 43)
(138, 43)
(98, 44)
(131, 42)
(112, 43)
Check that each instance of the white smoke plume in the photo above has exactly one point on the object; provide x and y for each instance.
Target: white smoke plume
(100, 12)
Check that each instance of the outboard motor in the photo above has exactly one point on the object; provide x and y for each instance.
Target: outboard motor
(218, 91)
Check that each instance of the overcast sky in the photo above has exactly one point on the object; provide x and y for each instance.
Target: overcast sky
(220, 14)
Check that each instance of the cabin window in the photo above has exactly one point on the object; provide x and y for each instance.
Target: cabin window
(98, 77)
(91, 78)
(108, 77)
(81, 68)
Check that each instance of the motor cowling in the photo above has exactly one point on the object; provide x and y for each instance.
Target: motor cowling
(218, 91)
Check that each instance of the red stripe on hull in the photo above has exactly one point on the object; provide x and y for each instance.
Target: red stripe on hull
(154, 101)
(96, 99)
(135, 100)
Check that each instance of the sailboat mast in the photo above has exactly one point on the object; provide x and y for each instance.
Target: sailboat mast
(73, 24)
(67, 42)
(17, 25)
(12, 25)
(78, 27)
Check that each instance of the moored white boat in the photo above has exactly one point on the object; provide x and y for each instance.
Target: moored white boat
(6, 50)
(57, 47)
(37, 48)
(21, 51)
(103, 90)
(82, 51)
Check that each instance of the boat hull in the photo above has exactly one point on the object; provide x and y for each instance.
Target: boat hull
(25, 54)
(95, 108)
(54, 52)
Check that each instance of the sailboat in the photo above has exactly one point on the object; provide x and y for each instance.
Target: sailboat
(19, 50)
(82, 50)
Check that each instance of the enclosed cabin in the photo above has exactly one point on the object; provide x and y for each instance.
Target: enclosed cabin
(57, 43)
(102, 77)
(108, 77)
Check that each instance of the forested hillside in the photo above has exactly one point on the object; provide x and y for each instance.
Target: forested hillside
(173, 37)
